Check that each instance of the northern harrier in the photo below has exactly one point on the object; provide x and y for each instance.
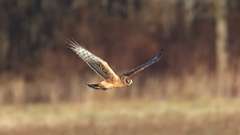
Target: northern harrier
(101, 67)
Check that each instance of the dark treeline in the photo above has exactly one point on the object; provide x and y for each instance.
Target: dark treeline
(185, 29)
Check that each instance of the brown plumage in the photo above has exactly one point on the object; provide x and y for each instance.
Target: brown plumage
(101, 67)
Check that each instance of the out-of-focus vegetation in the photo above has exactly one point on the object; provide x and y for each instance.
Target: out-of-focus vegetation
(43, 83)
(142, 117)
(200, 39)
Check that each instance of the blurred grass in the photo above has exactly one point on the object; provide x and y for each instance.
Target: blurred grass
(205, 117)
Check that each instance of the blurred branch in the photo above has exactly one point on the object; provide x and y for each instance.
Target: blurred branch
(221, 43)
(189, 13)
(4, 47)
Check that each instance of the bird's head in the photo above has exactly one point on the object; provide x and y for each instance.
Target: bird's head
(126, 80)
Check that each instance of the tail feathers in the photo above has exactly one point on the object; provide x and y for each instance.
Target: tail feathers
(96, 86)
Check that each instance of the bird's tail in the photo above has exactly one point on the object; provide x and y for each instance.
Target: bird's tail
(96, 86)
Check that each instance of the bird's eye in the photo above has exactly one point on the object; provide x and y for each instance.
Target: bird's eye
(128, 81)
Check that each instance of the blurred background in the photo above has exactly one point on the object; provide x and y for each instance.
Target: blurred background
(194, 89)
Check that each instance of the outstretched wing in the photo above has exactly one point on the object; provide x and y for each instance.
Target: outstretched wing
(151, 61)
(98, 65)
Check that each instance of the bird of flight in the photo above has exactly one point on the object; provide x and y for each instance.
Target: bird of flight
(101, 67)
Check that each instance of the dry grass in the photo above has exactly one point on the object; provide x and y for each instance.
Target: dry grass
(203, 117)
(190, 105)
(54, 89)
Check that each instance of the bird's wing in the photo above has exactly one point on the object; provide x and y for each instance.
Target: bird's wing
(139, 68)
(98, 65)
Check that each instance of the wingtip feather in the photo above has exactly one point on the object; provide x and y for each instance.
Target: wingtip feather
(158, 55)
(72, 44)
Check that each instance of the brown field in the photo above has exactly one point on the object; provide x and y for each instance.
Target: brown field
(205, 117)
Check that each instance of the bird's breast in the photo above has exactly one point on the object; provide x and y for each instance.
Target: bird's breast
(112, 84)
